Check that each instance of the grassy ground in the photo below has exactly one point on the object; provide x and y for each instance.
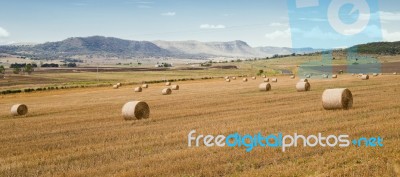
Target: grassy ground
(80, 132)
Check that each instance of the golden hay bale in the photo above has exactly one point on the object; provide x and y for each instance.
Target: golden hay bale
(145, 86)
(353, 74)
(292, 77)
(254, 78)
(274, 80)
(244, 79)
(395, 73)
(168, 83)
(138, 89)
(303, 86)
(264, 87)
(303, 80)
(308, 76)
(166, 91)
(135, 110)
(325, 76)
(227, 77)
(175, 87)
(375, 74)
(19, 110)
(365, 77)
(227, 80)
(340, 98)
(233, 78)
(264, 76)
(334, 76)
(119, 84)
(115, 86)
(266, 80)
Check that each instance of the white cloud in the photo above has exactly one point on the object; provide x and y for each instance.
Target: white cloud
(279, 34)
(169, 14)
(3, 32)
(144, 6)
(208, 26)
(277, 24)
(391, 37)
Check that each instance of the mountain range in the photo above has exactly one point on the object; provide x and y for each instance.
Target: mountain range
(120, 48)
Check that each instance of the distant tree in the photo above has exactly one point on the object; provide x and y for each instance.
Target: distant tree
(71, 65)
(16, 70)
(28, 68)
(2, 69)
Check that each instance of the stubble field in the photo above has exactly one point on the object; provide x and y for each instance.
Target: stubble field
(80, 132)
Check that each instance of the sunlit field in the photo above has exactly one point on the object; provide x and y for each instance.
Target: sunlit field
(80, 132)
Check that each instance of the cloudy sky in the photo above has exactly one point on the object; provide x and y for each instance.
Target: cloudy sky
(257, 22)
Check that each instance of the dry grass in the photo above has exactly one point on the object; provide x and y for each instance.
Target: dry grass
(81, 132)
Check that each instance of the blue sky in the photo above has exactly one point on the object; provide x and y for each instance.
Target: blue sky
(258, 22)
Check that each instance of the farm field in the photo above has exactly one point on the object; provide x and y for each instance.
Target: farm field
(80, 132)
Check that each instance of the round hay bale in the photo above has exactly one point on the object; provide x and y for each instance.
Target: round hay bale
(334, 76)
(266, 80)
(135, 110)
(19, 110)
(274, 80)
(115, 86)
(325, 76)
(119, 84)
(395, 73)
(292, 77)
(228, 80)
(138, 89)
(175, 87)
(308, 76)
(254, 78)
(145, 86)
(264, 76)
(233, 78)
(340, 98)
(264, 87)
(353, 74)
(365, 77)
(375, 74)
(303, 86)
(167, 83)
(303, 80)
(227, 77)
(166, 91)
(244, 79)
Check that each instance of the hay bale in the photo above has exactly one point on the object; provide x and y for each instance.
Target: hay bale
(135, 110)
(303, 80)
(175, 87)
(254, 78)
(264, 76)
(138, 89)
(353, 74)
(274, 80)
(244, 79)
(227, 77)
(19, 110)
(292, 77)
(266, 80)
(227, 80)
(166, 91)
(145, 86)
(115, 86)
(340, 98)
(395, 73)
(375, 74)
(264, 87)
(167, 83)
(303, 86)
(334, 76)
(233, 78)
(365, 77)
(325, 76)
(308, 76)
(119, 84)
